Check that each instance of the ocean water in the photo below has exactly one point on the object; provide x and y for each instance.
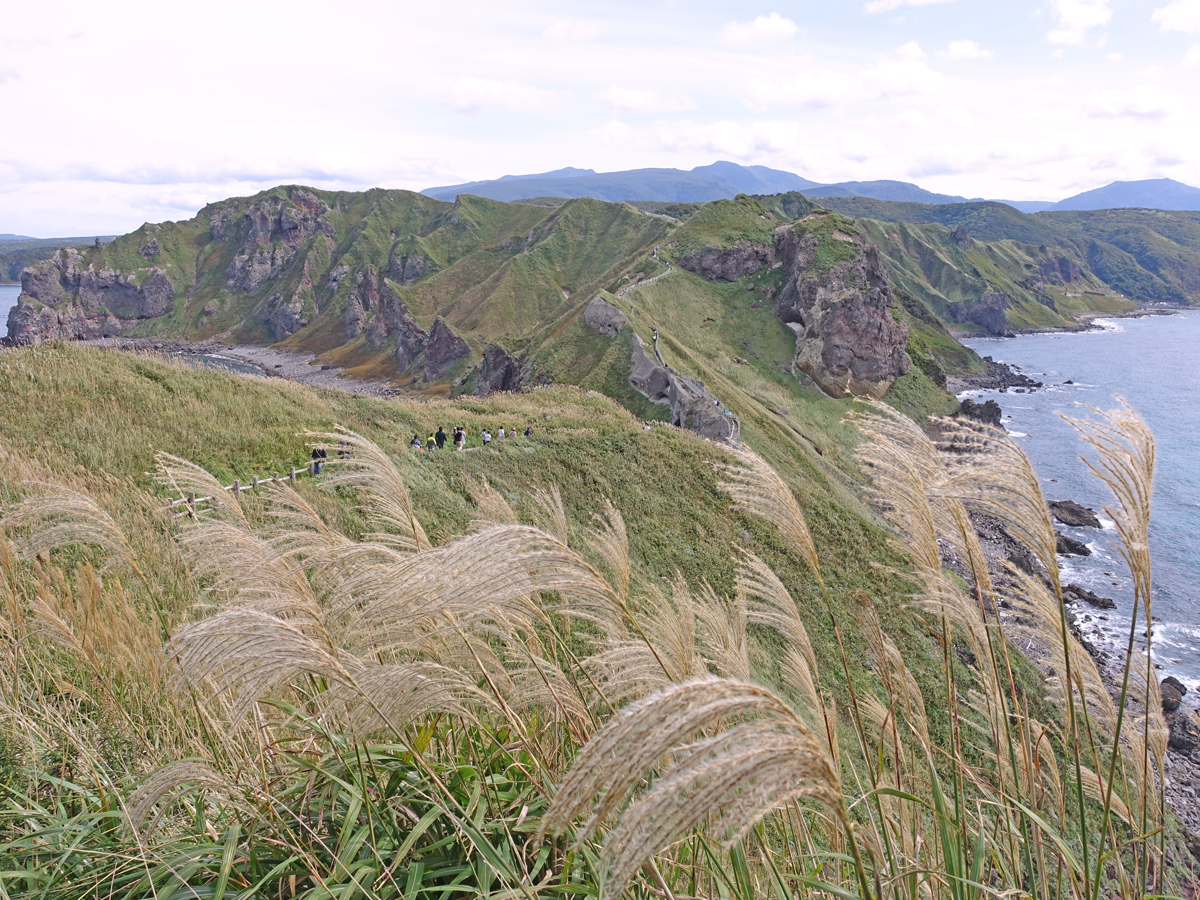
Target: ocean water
(1154, 363)
(8, 299)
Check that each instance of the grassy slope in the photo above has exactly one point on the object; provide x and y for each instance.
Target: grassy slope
(1153, 256)
(112, 412)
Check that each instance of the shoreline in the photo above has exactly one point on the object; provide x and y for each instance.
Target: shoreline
(1085, 323)
(273, 363)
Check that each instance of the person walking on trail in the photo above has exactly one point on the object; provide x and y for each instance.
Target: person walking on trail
(416, 443)
(501, 434)
(429, 441)
(440, 437)
(487, 438)
(319, 455)
(528, 431)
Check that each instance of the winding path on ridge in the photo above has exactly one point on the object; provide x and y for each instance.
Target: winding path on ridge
(735, 431)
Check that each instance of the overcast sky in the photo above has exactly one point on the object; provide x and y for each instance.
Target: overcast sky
(121, 112)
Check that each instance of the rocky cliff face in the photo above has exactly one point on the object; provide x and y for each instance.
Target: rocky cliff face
(988, 311)
(61, 298)
(498, 372)
(714, 263)
(691, 405)
(846, 338)
(443, 350)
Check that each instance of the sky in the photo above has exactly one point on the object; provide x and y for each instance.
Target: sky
(118, 113)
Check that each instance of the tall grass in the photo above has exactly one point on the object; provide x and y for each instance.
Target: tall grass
(508, 712)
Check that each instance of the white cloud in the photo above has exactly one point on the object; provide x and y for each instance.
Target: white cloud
(478, 94)
(1116, 57)
(642, 100)
(877, 6)
(614, 133)
(1076, 18)
(763, 28)
(1192, 58)
(905, 72)
(1182, 15)
(965, 49)
(1144, 102)
(583, 30)
(7, 73)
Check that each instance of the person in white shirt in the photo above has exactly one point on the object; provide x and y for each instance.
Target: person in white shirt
(500, 434)
(487, 438)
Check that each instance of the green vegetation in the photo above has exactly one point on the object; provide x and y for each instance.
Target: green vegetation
(399, 678)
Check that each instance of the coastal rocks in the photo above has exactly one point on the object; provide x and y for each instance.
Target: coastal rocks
(497, 372)
(998, 376)
(1074, 592)
(1069, 546)
(604, 318)
(1185, 732)
(714, 263)
(61, 298)
(846, 338)
(1171, 696)
(987, 413)
(356, 318)
(443, 350)
(987, 311)
(692, 406)
(1071, 513)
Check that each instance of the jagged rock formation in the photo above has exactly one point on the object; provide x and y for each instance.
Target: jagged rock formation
(61, 298)
(847, 340)
(498, 372)
(714, 263)
(443, 349)
(410, 267)
(988, 412)
(692, 406)
(962, 237)
(604, 318)
(1074, 514)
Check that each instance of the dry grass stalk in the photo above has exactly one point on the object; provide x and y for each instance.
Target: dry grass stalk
(611, 544)
(756, 488)
(183, 478)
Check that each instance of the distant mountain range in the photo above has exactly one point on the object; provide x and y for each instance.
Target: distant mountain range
(723, 180)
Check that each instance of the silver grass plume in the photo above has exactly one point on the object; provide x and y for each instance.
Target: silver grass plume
(369, 467)
(57, 516)
(169, 783)
(756, 488)
(721, 623)
(747, 769)
(770, 603)
(490, 506)
(611, 544)
(183, 477)
(551, 516)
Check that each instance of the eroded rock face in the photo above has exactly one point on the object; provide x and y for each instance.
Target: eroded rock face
(715, 263)
(498, 372)
(988, 311)
(60, 298)
(962, 237)
(443, 349)
(410, 267)
(846, 338)
(284, 316)
(1074, 514)
(604, 318)
(692, 406)
(988, 412)
(250, 271)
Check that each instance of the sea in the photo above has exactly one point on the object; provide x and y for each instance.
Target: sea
(1153, 362)
(8, 299)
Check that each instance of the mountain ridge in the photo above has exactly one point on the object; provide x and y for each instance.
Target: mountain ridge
(724, 180)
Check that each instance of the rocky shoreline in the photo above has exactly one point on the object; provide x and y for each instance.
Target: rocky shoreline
(1085, 323)
(998, 377)
(274, 363)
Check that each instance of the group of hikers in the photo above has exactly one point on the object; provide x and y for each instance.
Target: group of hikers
(437, 440)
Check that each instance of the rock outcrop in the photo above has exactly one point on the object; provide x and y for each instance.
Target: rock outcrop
(604, 318)
(1071, 513)
(410, 267)
(498, 372)
(284, 316)
(61, 298)
(846, 338)
(1075, 592)
(962, 237)
(988, 412)
(443, 349)
(692, 406)
(715, 263)
(386, 315)
(1069, 546)
(989, 311)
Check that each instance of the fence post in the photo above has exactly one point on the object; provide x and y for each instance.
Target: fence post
(293, 476)
(254, 484)
(237, 490)
(192, 503)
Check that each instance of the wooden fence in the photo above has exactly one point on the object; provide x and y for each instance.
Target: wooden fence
(191, 501)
